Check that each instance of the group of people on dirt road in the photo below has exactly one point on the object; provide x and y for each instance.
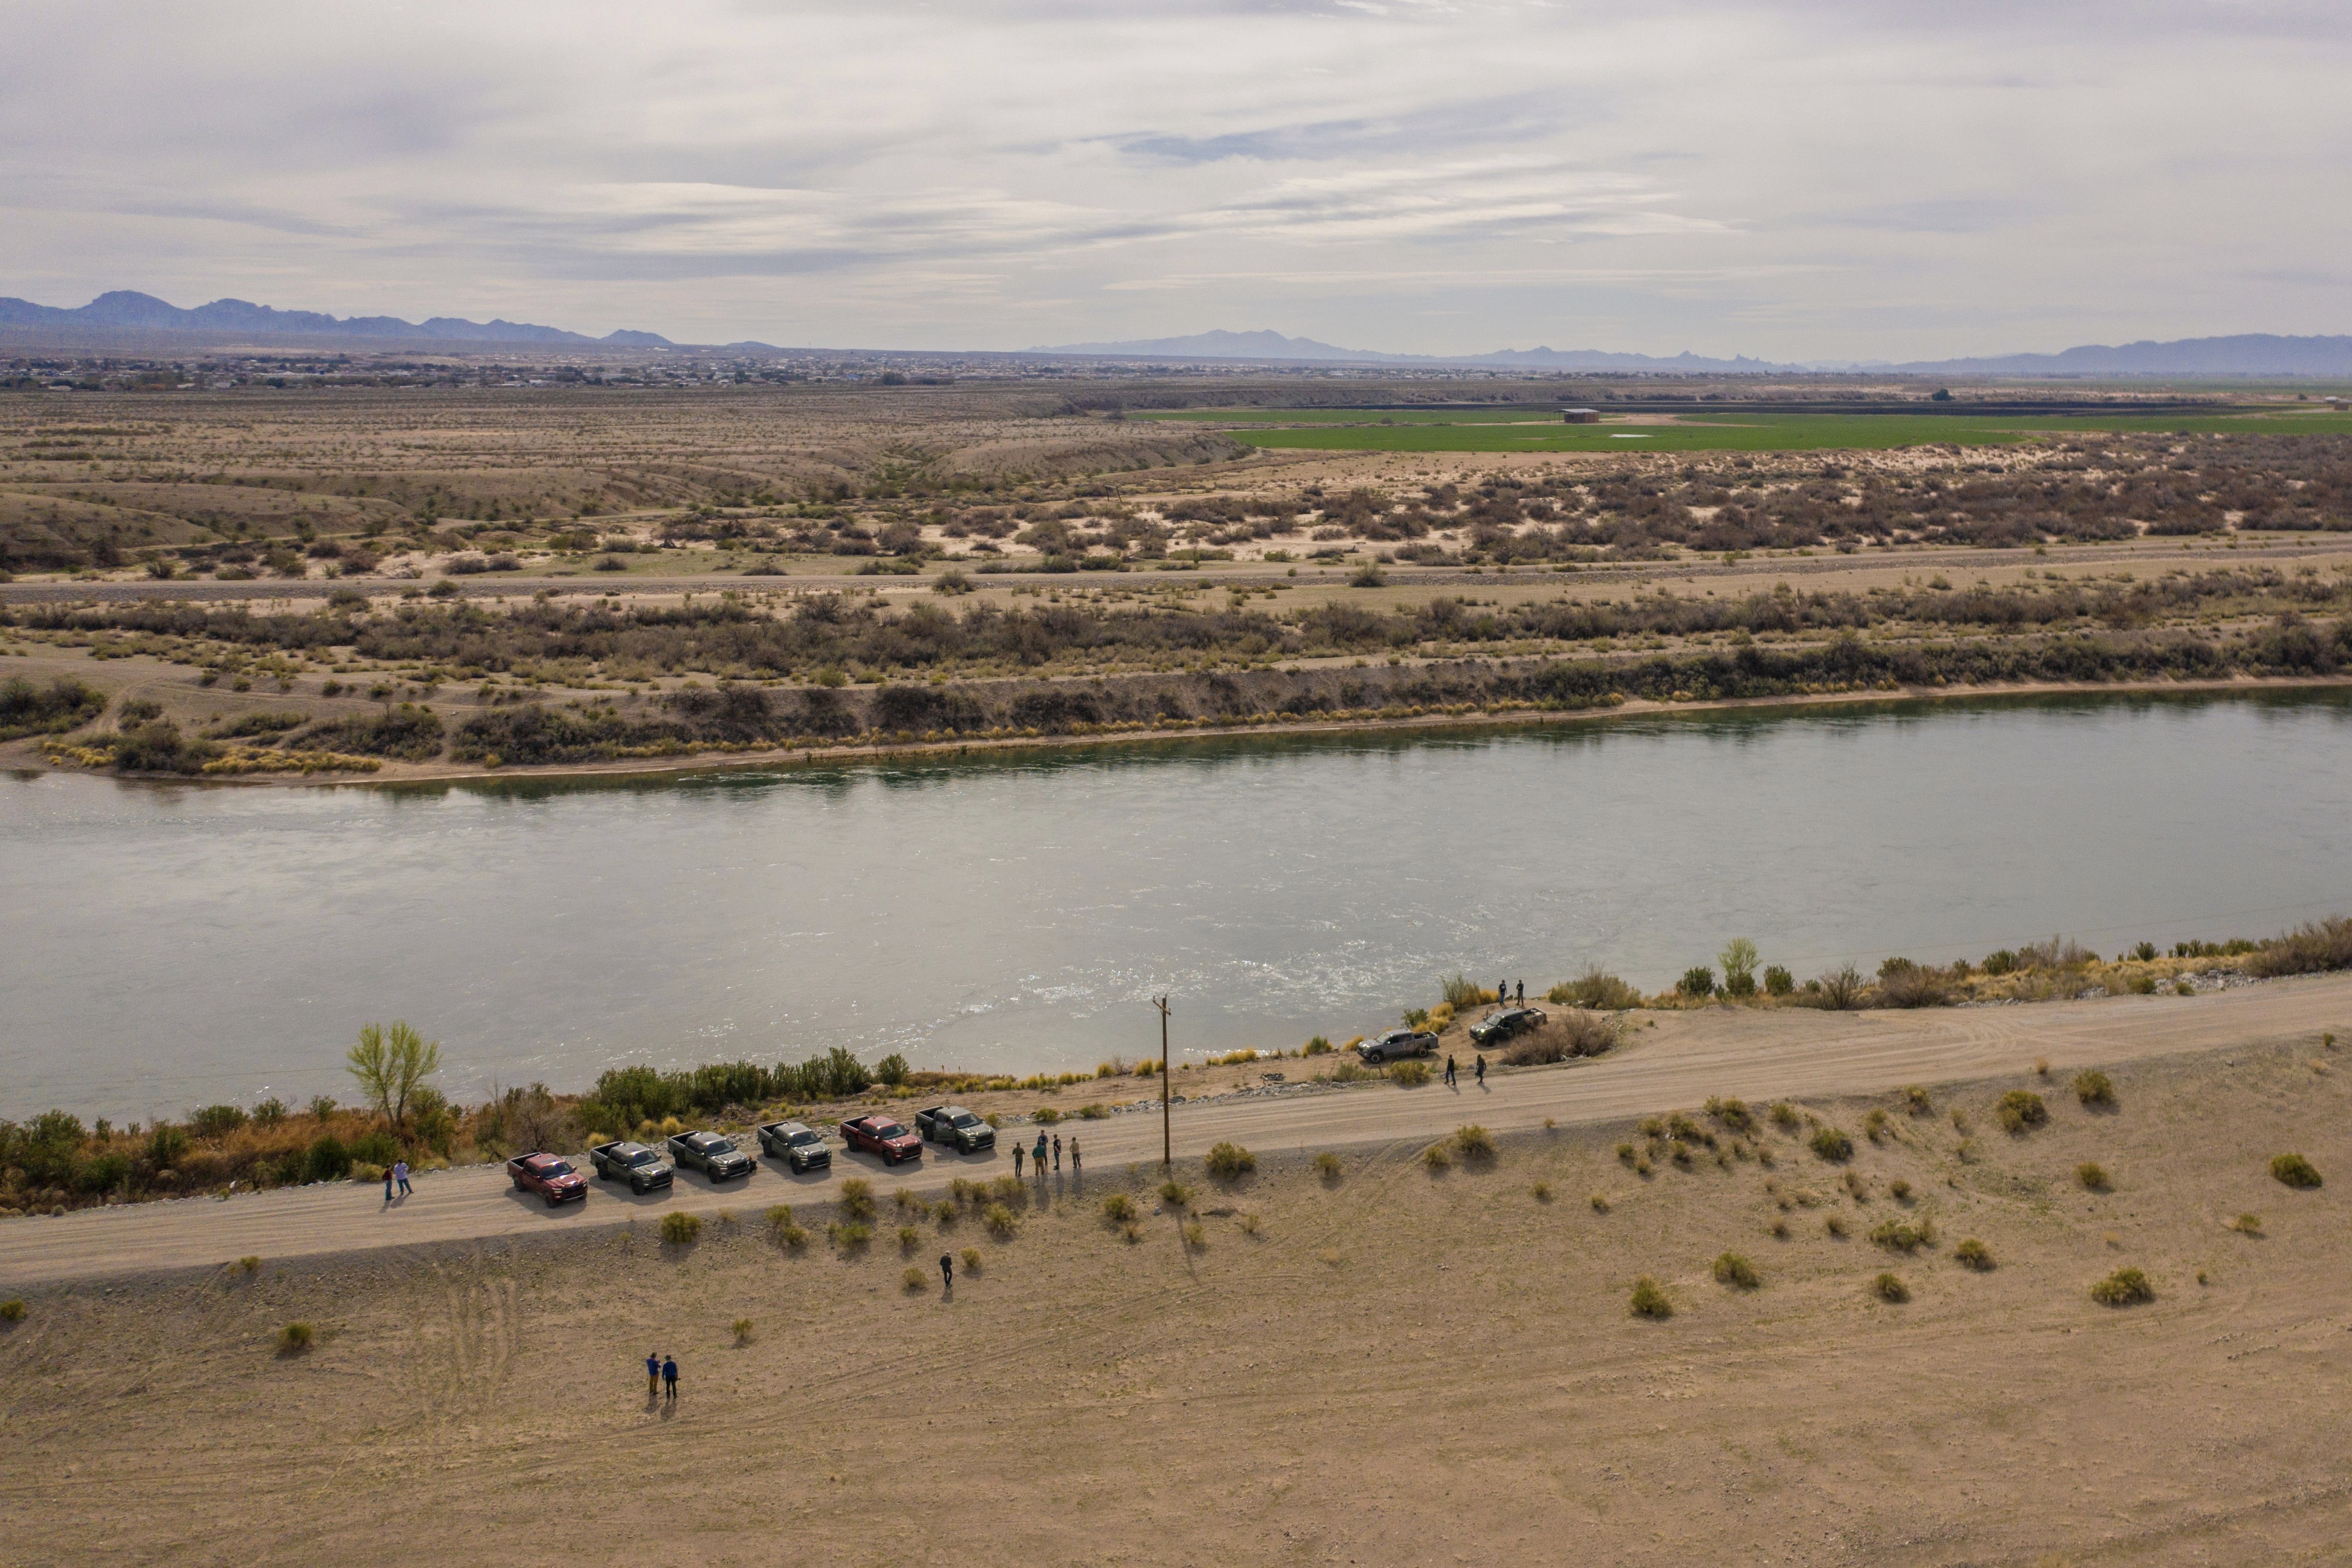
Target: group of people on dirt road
(1037, 1156)
(1480, 1069)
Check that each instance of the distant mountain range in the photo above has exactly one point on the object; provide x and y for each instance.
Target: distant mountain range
(124, 313)
(2252, 353)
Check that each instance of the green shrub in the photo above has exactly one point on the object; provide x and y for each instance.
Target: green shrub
(1733, 1114)
(971, 1259)
(1899, 1190)
(1697, 982)
(1229, 1161)
(1732, 1269)
(851, 1237)
(2309, 949)
(1917, 1101)
(1475, 1144)
(295, 1338)
(1778, 982)
(1327, 1166)
(1175, 1195)
(857, 1201)
(1320, 1047)
(914, 1281)
(1840, 990)
(1890, 1288)
(1196, 1236)
(2123, 1288)
(1093, 1111)
(1000, 1222)
(1973, 1254)
(12, 1310)
(1596, 989)
(910, 1238)
(2093, 1175)
(2294, 1171)
(2020, 1109)
(1045, 1116)
(2094, 1088)
(1784, 1116)
(680, 1228)
(1650, 1300)
(1437, 1159)
(1541, 1192)
(743, 1329)
(2247, 1225)
(1410, 1073)
(1897, 1237)
(1832, 1145)
(1461, 992)
(1119, 1208)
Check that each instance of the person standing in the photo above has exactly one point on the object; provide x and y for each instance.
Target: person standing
(1523, 992)
(400, 1171)
(1502, 993)
(1016, 1159)
(1057, 1150)
(946, 1271)
(1073, 1151)
(1449, 1072)
(387, 1183)
(670, 1376)
(652, 1373)
(1037, 1155)
(1482, 1069)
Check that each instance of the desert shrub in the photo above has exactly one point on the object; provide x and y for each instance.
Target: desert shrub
(295, 1338)
(1000, 1222)
(1475, 1144)
(1917, 1101)
(1899, 1190)
(1732, 1269)
(1696, 984)
(2123, 1288)
(1840, 990)
(1119, 1208)
(1738, 960)
(1175, 1195)
(12, 1310)
(1732, 1113)
(248, 1266)
(1650, 1300)
(1890, 1288)
(1897, 1237)
(969, 1259)
(2093, 1175)
(1836, 1226)
(1541, 1192)
(1973, 1254)
(1599, 1201)
(1327, 1166)
(1784, 1116)
(1229, 1161)
(914, 1281)
(1196, 1236)
(1778, 1229)
(329, 1159)
(1437, 1159)
(910, 1238)
(2247, 1225)
(743, 1330)
(1045, 1116)
(2094, 1088)
(1410, 1073)
(1902, 983)
(2294, 1171)
(1577, 1034)
(1597, 989)
(215, 1121)
(1873, 1126)
(2020, 1109)
(2309, 949)
(849, 1236)
(1320, 1046)
(1461, 992)
(1831, 1145)
(857, 1198)
(679, 1230)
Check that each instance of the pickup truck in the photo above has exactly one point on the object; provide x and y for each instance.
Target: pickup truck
(708, 1152)
(954, 1124)
(635, 1163)
(801, 1147)
(1495, 1027)
(1397, 1043)
(550, 1175)
(880, 1135)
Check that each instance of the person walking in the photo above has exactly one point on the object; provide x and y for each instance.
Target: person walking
(1482, 1069)
(1037, 1155)
(670, 1376)
(652, 1373)
(947, 1270)
(1057, 1150)
(387, 1183)
(1449, 1072)
(1016, 1160)
(400, 1171)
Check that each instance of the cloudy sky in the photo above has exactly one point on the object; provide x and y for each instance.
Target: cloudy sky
(1885, 179)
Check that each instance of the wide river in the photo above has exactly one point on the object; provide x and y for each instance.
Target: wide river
(172, 945)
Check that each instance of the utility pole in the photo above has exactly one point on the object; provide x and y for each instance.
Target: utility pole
(1166, 1140)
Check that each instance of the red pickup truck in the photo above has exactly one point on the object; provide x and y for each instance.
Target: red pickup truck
(550, 1175)
(880, 1135)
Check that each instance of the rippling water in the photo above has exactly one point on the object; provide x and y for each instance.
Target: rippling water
(170, 945)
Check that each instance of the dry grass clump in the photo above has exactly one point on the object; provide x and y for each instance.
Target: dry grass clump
(849, 1235)
(1475, 1144)
(1829, 1143)
(1175, 1195)
(1599, 1202)
(1736, 1271)
(1973, 1254)
(2096, 1090)
(1000, 1222)
(857, 1201)
(1784, 1116)
(1899, 1190)
(1119, 1208)
(906, 1201)
(1873, 1126)
(2294, 1171)
(1732, 1113)
(2123, 1288)
(248, 1266)
(1437, 1159)
(1779, 1230)
(1326, 1166)
(1541, 1192)
(1916, 1100)
(1577, 1034)
(1890, 1288)
(2093, 1175)
(295, 1338)
(12, 1310)
(910, 1238)
(1835, 1224)
(782, 1230)
(680, 1228)
(971, 1259)
(914, 1281)
(1251, 1224)
(1410, 1073)
(1650, 1300)
(1898, 1236)
(1229, 1161)
(2248, 1223)
(743, 1330)
(2020, 1109)
(1196, 1236)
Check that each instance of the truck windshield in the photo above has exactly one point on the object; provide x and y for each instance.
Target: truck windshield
(556, 1168)
(967, 1120)
(889, 1130)
(643, 1157)
(799, 1138)
(719, 1146)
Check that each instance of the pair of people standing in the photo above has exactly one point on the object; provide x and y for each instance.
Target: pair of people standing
(1481, 1071)
(660, 1371)
(1503, 994)
(396, 1174)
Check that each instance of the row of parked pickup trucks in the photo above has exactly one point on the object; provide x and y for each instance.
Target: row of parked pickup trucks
(802, 1148)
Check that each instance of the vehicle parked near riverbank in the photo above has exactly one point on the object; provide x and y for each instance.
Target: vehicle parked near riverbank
(643, 1169)
(1495, 1027)
(880, 1135)
(711, 1153)
(953, 1124)
(798, 1145)
(1395, 1044)
(550, 1175)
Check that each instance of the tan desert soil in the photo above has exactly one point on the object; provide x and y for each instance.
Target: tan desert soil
(1398, 1366)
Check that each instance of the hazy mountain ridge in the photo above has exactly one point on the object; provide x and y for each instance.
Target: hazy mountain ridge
(125, 311)
(1271, 346)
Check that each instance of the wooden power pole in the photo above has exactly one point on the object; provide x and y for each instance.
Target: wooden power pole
(1167, 1141)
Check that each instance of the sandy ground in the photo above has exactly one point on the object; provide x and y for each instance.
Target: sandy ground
(1384, 1365)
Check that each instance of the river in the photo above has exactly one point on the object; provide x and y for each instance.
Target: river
(173, 945)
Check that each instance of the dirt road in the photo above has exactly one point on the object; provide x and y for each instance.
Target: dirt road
(1674, 1060)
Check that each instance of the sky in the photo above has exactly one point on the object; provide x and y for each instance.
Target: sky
(1883, 180)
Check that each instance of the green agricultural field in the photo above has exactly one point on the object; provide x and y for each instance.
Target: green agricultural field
(1528, 430)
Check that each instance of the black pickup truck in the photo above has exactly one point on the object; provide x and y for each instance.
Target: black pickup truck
(954, 1125)
(715, 1156)
(635, 1163)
